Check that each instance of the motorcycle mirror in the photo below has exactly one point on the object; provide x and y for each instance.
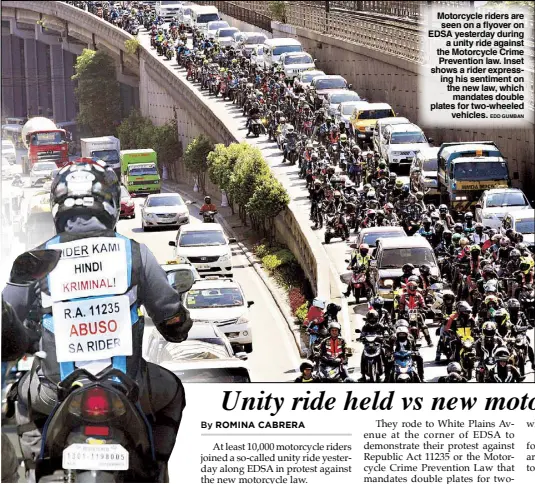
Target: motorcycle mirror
(181, 280)
(431, 140)
(188, 202)
(347, 260)
(358, 331)
(232, 240)
(250, 303)
(34, 265)
(242, 355)
(352, 246)
(172, 243)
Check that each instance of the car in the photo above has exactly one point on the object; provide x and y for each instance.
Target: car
(378, 130)
(323, 84)
(426, 160)
(206, 356)
(164, 210)
(372, 234)
(42, 171)
(400, 144)
(336, 96)
(274, 48)
(345, 110)
(222, 302)
(390, 256)
(496, 202)
(521, 221)
(213, 26)
(184, 16)
(293, 63)
(207, 247)
(257, 55)
(245, 41)
(225, 36)
(8, 151)
(305, 78)
(364, 119)
(128, 208)
(168, 11)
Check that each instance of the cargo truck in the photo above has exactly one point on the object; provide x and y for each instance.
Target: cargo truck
(467, 169)
(105, 148)
(139, 171)
(45, 142)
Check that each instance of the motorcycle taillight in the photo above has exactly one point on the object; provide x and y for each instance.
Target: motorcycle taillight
(95, 403)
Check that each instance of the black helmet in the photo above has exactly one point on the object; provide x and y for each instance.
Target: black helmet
(458, 227)
(513, 305)
(306, 364)
(515, 254)
(464, 308)
(372, 316)
(407, 268)
(207, 200)
(454, 367)
(378, 303)
(87, 188)
(425, 269)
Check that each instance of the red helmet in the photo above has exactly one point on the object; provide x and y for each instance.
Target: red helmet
(388, 207)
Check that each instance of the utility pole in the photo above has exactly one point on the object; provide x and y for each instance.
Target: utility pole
(327, 8)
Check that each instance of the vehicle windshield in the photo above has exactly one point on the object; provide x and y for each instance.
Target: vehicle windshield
(214, 375)
(204, 18)
(395, 258)
(124, 192)
(222, 297)
(218, 25)
(348, 109)
(506, 199)
(106, 155)
(255, 39)
(52, 138)
(480, 170)
(344, 97)
(7, 144)
(44, 166)
(170, 201)
(260, 51)
(430, 165)
(371, 238)
(227, 32)
(525, 225)
(298, 59)
(201, 237)
(338, 83)
(308, 77)
(376, 114)
(142, 170)
(281, 49)
(406, 138)
(186, 12)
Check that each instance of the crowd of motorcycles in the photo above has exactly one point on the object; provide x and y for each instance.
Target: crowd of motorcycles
(481, 304)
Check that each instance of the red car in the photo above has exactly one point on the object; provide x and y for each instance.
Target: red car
(128, 209)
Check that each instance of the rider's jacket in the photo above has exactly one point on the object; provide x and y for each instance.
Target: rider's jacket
(332, 348)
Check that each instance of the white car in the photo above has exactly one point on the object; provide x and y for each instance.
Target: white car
(41, 171)
(337, 96)
(222, 302)
(345, 110)
(305, 78)
(257, 55)
(293, 63)
(164, 210)
(400, 144)
(380, 126)
(225, 36)
(496, 202)
(247, 40)
(521, 221)
(207, 247)
(214, 26)
(8, 151)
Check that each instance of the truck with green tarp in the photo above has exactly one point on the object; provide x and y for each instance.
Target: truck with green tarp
(139, 171)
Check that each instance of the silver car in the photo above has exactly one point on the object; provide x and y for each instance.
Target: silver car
(42, 171)
(337, 96)
(164, 210)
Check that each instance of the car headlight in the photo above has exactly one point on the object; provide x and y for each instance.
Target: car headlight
(225, 258)
(462, 197)
(242, 320)
(130, 183)
(388, 283)
(150, 216)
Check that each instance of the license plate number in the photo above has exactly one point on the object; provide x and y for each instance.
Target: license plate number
(203, 266)
(112, 457)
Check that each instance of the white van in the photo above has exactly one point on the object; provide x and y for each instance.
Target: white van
(184, 15)
(274, 48)
(201, 15)
(168, 10)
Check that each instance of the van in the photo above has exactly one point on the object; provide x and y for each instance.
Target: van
(201, 15)
(184, 15)
(274, 48)
(168, 10)
(365, 118)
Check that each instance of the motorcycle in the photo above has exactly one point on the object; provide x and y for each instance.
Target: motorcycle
(467, 357)
(404, 370)
(334, 228)
(317, 332)
(526, 297)
(257, 127)
(209, 217)
(292, 154)
(373, 366)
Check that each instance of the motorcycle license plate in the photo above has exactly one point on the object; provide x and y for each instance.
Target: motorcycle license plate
(98, 457)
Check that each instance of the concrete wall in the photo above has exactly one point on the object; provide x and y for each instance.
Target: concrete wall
(381, 77)
(244, 27)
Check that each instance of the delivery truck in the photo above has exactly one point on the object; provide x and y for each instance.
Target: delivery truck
(139, 171)
(105, 148)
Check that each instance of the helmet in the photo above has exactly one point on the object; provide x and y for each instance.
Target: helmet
(334, 325)
(448, 296)
(402, 330)
(399, 183)
(515, 254)
(443, 208)
(306, 364)
(522, 247)
(412, 286)
(364, 248)
(456, 238)
(513, 306)
(343, 138)
(388, 207)
(458, 227)
(392, 176)
(496, 238)
(282, 120)
(207, 200)
(475, 249)
(407, 268)
(464, 308)
(501, 316)
(464, 242)
(469, 216)
(290, 129)
(526, 263)
(405, 188)
(504, 242)
(492, 299)
(309, 144)
(419, 195)
(371, 194)
(501, 354)
(454, 367)
(378, 303)
(425, 269)
(372, 316)
(415, 279)
(371, 213)
(478, 225)
(382, 165)
(317, 183)
(448, 233)
(402, 323)
(337, 194)
(85, 187)
(489, 329)
(426, 220)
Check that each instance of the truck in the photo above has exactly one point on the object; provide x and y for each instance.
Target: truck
(105, 148)
(467, 169)
(139, 171)
(45, 142)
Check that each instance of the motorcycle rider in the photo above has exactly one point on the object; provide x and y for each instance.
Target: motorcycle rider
(332, 349)
(479, 237)
(306, 373)
(144, 280)
(468, 225)
(208, 206)
(289, 138)
(503, 323)
(254, 113)
(390, 216)
(372, 326)
(445, 216)
(461, 319)
(489, 340)
(317, 195)
(520, 323)
(378, 304)
(426, 230)
(405, 342)
(505, 372)
(360, 259)
(455, 374)
(414, 296)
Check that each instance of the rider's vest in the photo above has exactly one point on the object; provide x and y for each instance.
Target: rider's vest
(90, 314)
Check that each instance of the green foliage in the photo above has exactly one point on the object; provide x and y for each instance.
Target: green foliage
(98, 93)
(138, 132)
(131, 46)
(260, 250)
(301, 313)
(274, 260)
(196, 158)
(278, 10)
